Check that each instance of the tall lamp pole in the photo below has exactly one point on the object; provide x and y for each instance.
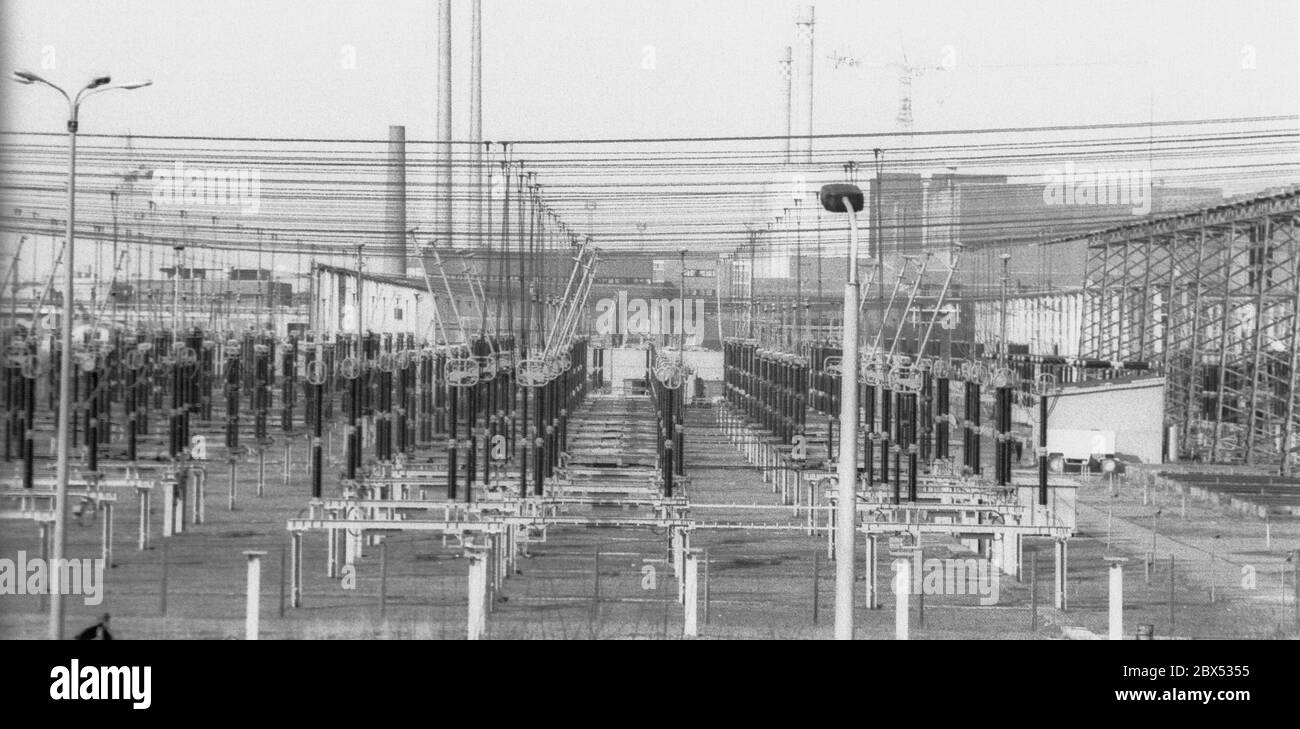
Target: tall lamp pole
(847, 198)
(98, 85)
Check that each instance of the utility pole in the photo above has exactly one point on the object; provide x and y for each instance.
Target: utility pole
(360, 327)
(1002, 336)
(799, 304)
(179, 259)
(877, 244)
(681, 313)
(272, 299)
(753, 250)
(952, 216)
(13, 287)
(818, 315)
(846, 198)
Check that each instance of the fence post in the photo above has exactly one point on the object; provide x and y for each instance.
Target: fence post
(295, 569)
(691, 627)
(383, 579)
(1116, 598)
(1033, 593)
(283, 576)
(1171, 593)
(1295, 584)
(477, 616)
(253, 602)
(706, 585)
(902, 586)
(162, 583)
(1062, 566)
(595, 588)
(873, 596)
(816, 576)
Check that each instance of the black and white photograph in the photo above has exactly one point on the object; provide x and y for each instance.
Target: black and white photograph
(644, 320)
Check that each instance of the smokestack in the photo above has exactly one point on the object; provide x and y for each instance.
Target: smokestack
(393, 260)
(444, 222)
(804, 33)
(476, 120)
(787, 74)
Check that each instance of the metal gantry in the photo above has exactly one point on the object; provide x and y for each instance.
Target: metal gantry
(1211, 299)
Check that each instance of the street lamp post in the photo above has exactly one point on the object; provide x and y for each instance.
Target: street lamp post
(98, 85)
(846, 198)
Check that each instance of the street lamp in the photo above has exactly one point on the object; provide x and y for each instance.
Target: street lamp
(847, 198)
(98, 85)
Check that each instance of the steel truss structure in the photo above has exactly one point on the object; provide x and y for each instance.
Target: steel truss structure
(1210, 299)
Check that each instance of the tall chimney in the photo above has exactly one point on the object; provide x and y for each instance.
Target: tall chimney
(804, 34)
(787, 75)
(476, 122)
(443, 188)
(393, 260)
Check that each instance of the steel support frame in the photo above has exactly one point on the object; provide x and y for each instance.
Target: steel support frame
(1212, 297)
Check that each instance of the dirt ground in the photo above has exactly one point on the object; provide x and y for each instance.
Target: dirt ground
(755, 584)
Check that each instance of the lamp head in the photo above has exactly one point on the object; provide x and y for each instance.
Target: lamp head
(833, 197)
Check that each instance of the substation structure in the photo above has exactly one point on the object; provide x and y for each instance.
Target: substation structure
(928, 424)
(1211, 300)
(459, 430)
(490, 436)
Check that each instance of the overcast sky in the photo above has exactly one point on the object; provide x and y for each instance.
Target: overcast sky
(600, 69)
(577, 68)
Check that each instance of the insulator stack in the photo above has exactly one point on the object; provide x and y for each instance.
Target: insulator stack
(288, 384)
(383, 397)
(350, 368)
(668, 405)
(404, 394)
(942, 410)
(261, 391)
(1004, 441)
(316, 378)
(92, 387)
(427, 364)
(28, 423)
(234, 376)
